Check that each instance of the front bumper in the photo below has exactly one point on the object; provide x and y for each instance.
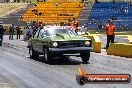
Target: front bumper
(72, 50)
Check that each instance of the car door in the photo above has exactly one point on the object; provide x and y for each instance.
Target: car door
(42, 40)
(35, 40)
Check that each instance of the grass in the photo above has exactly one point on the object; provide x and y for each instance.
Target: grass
(7, 7)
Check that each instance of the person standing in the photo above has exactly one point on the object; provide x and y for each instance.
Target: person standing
(75, 25)
(62, 24)
(11, 32)
(110, 28)
(2, 30)
(18, 31)
(34, 29)
(30, 31)
(24, 33)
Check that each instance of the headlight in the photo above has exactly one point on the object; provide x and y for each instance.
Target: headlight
(55, 44)
(87, 43)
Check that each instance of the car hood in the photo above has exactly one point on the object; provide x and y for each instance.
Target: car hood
(67, 37)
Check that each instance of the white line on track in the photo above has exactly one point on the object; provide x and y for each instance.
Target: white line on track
(104, 53)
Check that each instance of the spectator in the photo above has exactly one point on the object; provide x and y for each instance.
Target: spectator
(34, 29)
(30, 31)
(27, 32)
(41, 26)
(65, 24)
(83, 29)
(60, 14)
(57, 4)
(62, 24)
(79, 6)
(11, 32)
(24, 33)
(36, 14)
(130, 3)
(2, 30)
(113, 18)
(68, 24)
(40, 14)
(18, 31)
(69, 20)
(21, 17)
(126, 26)
(34, 5)
(34, 11)
(75, 24)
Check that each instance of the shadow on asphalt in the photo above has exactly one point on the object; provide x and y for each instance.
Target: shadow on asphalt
(61, 61)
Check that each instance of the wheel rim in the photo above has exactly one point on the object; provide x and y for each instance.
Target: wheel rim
(45, 54)
(31, 52)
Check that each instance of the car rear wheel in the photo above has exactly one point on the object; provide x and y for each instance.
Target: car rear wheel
(47, 55)
(85, 57)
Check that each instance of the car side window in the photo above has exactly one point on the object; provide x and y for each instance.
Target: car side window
(36, 34)
(42, 34)
(71, 32)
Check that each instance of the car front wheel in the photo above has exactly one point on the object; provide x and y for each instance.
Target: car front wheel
(85, 57)
(47, 55)
(33, 54)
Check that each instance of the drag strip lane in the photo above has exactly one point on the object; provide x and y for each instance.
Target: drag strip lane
(34, 75)
(118, 39)
(60, 73)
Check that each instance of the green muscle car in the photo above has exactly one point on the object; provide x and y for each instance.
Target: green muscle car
(56, 41)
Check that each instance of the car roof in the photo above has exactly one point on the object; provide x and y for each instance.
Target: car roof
(57, 27)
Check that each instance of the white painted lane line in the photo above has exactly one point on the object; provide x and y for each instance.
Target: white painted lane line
(104, 53)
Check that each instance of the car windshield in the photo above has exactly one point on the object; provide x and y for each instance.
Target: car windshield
(61, 31)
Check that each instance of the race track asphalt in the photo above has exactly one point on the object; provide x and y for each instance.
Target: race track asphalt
(19, 71)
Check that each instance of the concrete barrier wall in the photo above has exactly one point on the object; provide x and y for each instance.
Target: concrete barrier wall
(129, 38)
(96, 43)
(117, 49)
(120, 49)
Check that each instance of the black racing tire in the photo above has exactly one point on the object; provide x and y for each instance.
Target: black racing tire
(34, 55)
(85, 57)
(47, 55)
